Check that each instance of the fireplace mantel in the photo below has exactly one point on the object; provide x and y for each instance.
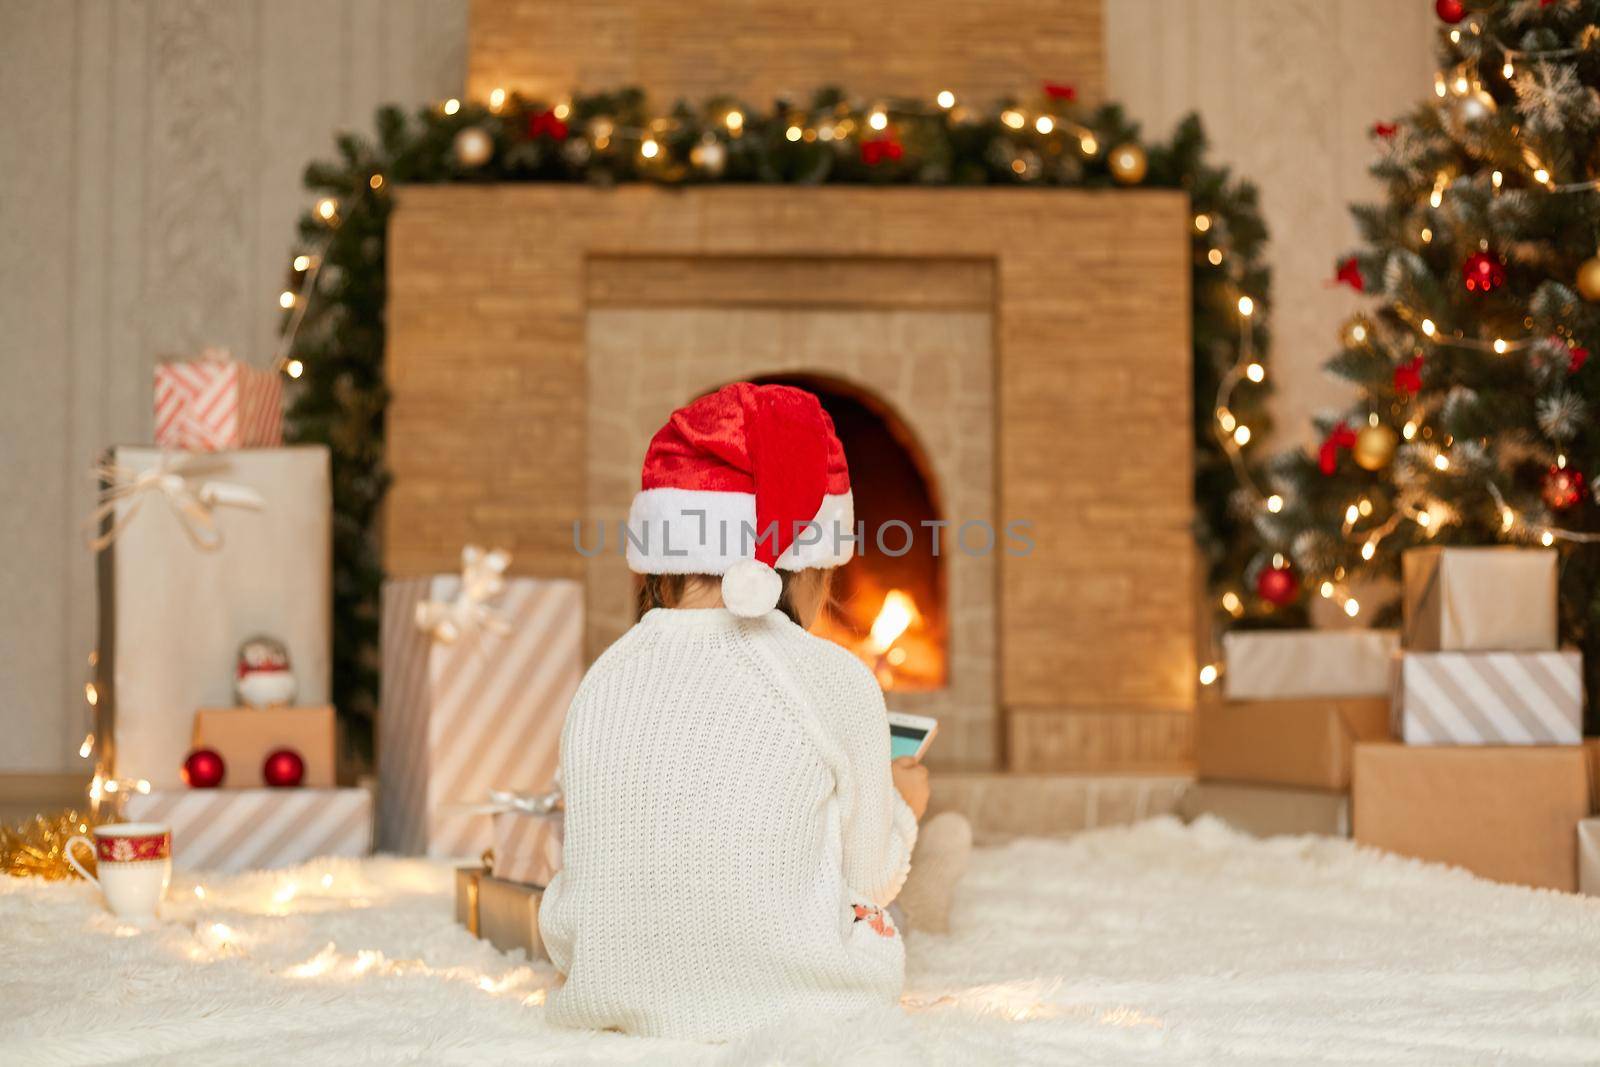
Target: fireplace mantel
(502, 430)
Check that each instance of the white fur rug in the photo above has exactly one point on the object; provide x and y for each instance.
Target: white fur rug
(1152, 944)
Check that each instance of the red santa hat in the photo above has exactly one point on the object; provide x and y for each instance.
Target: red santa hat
(737, 483)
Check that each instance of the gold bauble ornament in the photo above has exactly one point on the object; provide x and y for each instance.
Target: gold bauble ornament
(1374, 447)
(1356, 331)
(1128, 163)
(1589, 278)
(473, 146)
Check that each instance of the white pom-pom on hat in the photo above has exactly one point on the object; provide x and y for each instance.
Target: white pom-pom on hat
(750, 588)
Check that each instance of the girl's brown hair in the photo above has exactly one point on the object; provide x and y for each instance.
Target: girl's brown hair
(804, 595)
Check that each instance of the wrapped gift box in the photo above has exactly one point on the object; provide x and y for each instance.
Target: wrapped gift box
(174, 606)
(1497, 599)
(1490, 698)
(1302, 743)
(215, 402)
(527, 847)
(1589, 857)
(1505, 813)
(462, 718)
(244, 737)
(1267, 810)
(254, 829)
(1292, 664)
(503, 913)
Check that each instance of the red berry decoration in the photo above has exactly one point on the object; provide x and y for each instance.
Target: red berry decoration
(1349, 273)
(283, 768)
(885, 149)
(1563, 488)
(1278, 585)
(1483, 272)
(1451, 11)
(204, 769)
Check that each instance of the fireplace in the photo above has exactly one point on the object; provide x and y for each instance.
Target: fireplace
(888, 603)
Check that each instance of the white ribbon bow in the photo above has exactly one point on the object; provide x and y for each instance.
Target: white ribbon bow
(171, 478)
(482, 579)
(502, 801)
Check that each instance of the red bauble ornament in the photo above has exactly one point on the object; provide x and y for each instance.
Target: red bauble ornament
(1408, 376)
(283, 768)
(546, 124)
(1349, 273)
(1340, 437)
(1563, 488)
(1060, 91)
(882, 149)
(1278, 585)
(204, 769)
(1482, 273)
(1384, 130)
(1451, 11)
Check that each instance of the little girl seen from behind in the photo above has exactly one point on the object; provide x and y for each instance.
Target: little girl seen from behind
(735, 830)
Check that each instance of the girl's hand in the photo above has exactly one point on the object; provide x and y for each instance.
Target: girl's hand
(911, 781)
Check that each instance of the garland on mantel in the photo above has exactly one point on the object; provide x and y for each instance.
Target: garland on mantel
(334, 302)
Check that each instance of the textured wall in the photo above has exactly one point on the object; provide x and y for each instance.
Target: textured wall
(150, 160)
(133, 228)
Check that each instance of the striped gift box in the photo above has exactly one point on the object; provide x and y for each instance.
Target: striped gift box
(482, 713)
(527, 847)
(1490, 698)
(212, 403)
(256, 829)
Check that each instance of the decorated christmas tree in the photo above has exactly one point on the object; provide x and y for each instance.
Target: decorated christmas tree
(1474, 422)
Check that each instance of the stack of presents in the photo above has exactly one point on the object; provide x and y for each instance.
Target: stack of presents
(213, 670)
(1456, 740)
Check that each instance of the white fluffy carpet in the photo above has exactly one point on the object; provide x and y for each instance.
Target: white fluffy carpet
(1151, 944)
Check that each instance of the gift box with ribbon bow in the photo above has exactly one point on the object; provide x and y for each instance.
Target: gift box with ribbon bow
(478, 671)
(196, 553)
(215, 402)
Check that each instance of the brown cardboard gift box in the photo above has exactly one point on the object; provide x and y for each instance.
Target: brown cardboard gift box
(244, 737)
(1268, 810)
(1302, 743)
(505, 914)
(1500, 598)
(1505, 813)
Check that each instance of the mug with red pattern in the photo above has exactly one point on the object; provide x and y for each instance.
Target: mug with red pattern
(135, 864)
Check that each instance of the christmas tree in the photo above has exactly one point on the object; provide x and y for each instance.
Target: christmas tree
(1474, 422)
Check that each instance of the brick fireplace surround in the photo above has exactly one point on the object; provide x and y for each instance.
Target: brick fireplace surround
(1035, 343)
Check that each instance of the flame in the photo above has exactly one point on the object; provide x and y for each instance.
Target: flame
(898, 612)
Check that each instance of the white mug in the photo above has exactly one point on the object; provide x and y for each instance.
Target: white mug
(135, 864)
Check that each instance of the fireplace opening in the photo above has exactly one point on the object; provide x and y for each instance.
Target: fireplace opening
(887, 609)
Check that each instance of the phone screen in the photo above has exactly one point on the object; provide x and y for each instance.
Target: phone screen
(905, 740)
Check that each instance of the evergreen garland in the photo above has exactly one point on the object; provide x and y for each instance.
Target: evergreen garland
(335, 346)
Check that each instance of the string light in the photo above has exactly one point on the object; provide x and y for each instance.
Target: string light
(301, 262)
(1274, 503)
(1541, 176)
(562, 110)
(1231, 603)
(1547, 539)
(1429, 328)
(1209, 674)
(734, 120)
(497, 99)
(1013, 118)
(1351, 514)
(1369, 549)
(1246, 306)
(1500, 346)
(286, 299)
(1508, 518)
(1497, 178)
(376, 182)
(1409, 430)
(1241, 435)
(327, 208)
(1089, 145)
(946, 99)
(1255, 372)
(1226, 420)
(87, 746)
(1215, 257)
(1044, 124)
(649, 149)
(794, 133)
(1202, 223)
(91, 694)
(451, 106)
(1441, 461)
(1326, 590)
(1508, 70)
(1351, 607)
(294, 368)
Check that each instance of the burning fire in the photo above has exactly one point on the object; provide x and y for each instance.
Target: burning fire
(899, 611)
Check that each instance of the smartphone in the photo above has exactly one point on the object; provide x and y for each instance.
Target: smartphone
(910, 735)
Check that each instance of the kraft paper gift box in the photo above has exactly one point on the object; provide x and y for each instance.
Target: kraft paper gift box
(503, 913)
(1496, 599)
(215, 402)
(1503, 813)
(180, 590)
(1303, 743)
(1268, 810)
(527, 847)
(1292, 664)
(1490, 698)
(244, 737)
(1589, 857)
(256, 829)
(460, 719)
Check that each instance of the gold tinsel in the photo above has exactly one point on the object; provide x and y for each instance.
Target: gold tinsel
(37, 848)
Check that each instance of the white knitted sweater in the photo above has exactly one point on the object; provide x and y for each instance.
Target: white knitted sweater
(729, 805)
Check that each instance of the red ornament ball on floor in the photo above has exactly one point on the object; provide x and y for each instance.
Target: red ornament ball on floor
(283, 768)
(1563, 488)
(1482, 272)
(204, 769)
(1451, 11)
(1278, 585)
